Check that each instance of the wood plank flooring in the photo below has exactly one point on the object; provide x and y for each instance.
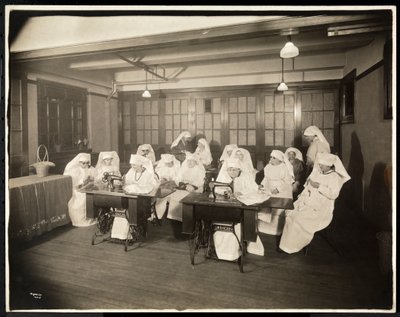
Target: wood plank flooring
(70, 273)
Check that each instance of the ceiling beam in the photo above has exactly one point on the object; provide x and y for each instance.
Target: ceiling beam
(265, 28)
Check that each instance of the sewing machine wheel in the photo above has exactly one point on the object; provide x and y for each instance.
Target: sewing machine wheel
(104, 220)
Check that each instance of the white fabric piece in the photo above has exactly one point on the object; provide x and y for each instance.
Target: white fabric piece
(179, 138)
(278, 177)
(175, 207)
(142, 150)
(166, 173)
(226, 245)
(271, 221)
(204, 155)
(256, 248)
(253, 198)
(120, 228)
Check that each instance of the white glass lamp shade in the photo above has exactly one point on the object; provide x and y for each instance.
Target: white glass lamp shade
(289, 50)
(146, 94)
(282, 87)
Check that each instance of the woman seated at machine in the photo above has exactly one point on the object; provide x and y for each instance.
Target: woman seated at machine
(227, 244)
(140, 178)
(203, 152)
(108, 162)
(278, 180)
(313, 211)
(82, 174)
(296, 159)
(190, 178)
(147, 151)
(167, 170)
(246, 164)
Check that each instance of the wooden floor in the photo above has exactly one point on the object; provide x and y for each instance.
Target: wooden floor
(69, 273)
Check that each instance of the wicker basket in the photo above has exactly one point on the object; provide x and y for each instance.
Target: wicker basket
(42, 165)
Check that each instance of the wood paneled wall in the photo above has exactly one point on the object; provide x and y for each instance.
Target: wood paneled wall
(258, 119)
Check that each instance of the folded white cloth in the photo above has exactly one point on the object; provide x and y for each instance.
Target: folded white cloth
(253, 198)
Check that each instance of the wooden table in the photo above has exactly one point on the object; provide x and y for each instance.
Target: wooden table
(199, 207)
(100, 201)
(38, 204)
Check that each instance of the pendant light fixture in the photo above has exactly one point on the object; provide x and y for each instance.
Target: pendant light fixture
(146, 93)
(282, 86)
(289, 50)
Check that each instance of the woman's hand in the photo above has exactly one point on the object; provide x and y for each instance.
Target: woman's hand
(190, 188)
(314, 184)
(237, 194)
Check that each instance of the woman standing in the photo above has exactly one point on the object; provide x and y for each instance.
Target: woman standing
(318, 144)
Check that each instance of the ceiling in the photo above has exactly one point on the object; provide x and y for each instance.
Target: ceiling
(170, 50)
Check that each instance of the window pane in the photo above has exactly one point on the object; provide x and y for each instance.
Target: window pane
(140, 122)
(289, 103)
(168, 137)
(242, 137)
(233, 121)
(329, 119)
(53, 110)
(279, 103)
(317, 101)
(289, 121)
(127, 137)
(147, 137)
(269, 103)
(217, 121)
(242, 121)
(251, 104)
(184, 122)
(147, 107)
(16, 143)
(207, 121)
(328, 133)
(15, 91)
(177, 106)
(208, 135)
(147, 122)
(154, 107)
(139, 135)
(168, 106)
(289, 137)
(200, 121)
(269, 120)
(139, 108)
(233, 105)
(126, 122)
(126, 107)
(233, 136)
(184, 106)
(16, 117)
(242, 104)
(306, 120)
(199, 106)
(251, 120)
(306, 102)
(216, 105)
(251, 137)
(269, 137)
(154, 137)
(329, 101)
(217, 136)
(279, 138)
(154, 122)
(279, 120)
(177, 121)
(317, 119)
(168, 122)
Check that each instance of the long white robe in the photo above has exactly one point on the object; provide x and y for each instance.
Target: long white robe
(77, 203)
(316, 146)
(272, 220)
(313, 211)
(190, 175)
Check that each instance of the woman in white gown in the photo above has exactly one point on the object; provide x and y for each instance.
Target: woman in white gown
(313, 211)
(318, 144)
(226, 244)
(190, 179)
(245, 161)
(167, 170)
(82, 173)
(226, 153)
(278, 180)
(203, 152)
(182, 145)
(146, 150)
(108, 162)
(140, 179)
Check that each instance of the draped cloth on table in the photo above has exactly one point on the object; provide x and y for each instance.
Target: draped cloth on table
(77, 203)
(313, 211)
(38, 205)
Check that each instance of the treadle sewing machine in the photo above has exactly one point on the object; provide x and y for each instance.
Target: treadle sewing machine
(204, 213)
(103, 202)
(227, 194)
(110, 178)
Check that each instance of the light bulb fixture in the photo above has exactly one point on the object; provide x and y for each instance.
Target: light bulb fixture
(289, 50)
(282, 86)
(146, 92)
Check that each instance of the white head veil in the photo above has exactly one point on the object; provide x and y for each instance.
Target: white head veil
(246, 162)
(282, 157)
(151, 155)
(180, 136)
(225, 155)
(312, 130)
(143, 161)
(223, 175)
(107, 155)
(204, 155)
(81, 157)
(168, 158)
(329, 159)
(296, 151)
